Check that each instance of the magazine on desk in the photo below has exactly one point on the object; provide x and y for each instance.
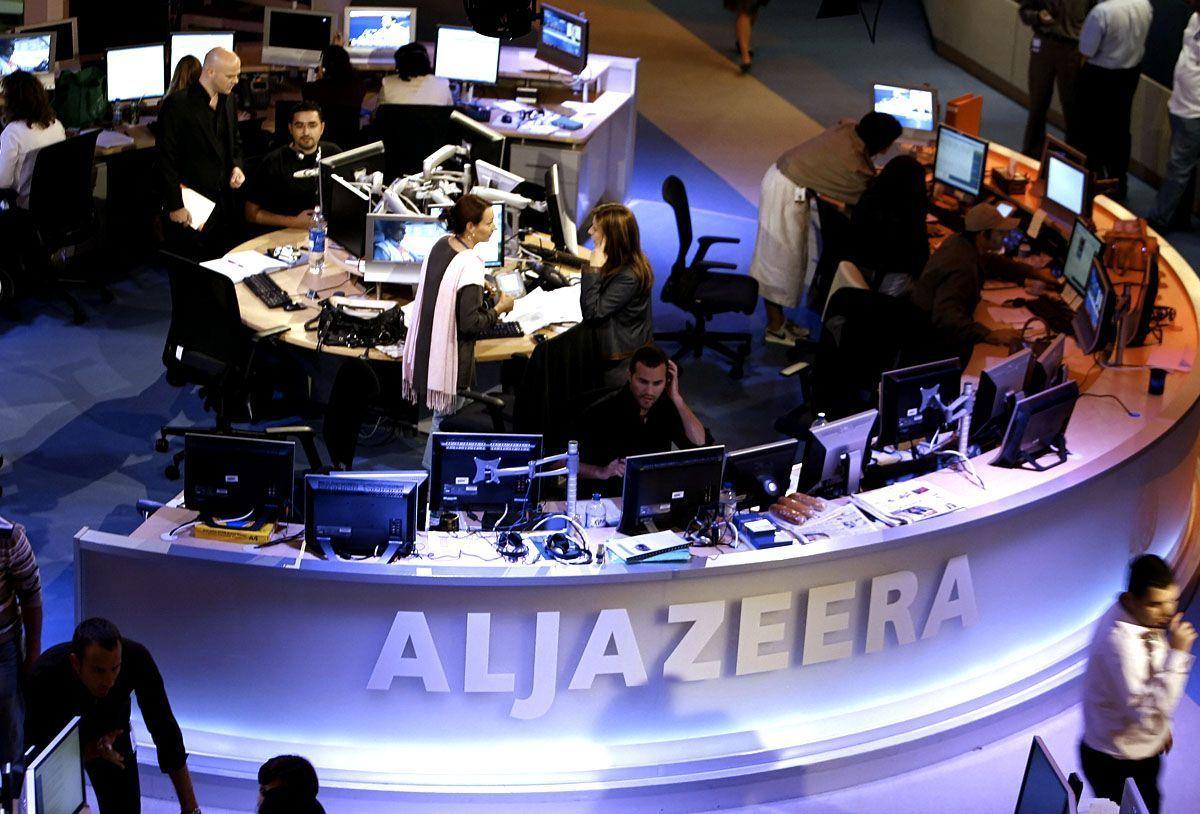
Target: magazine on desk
(836, 521)
(906, 502)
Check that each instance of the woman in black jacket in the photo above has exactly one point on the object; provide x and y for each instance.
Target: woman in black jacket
(888, 223)
(615, 291)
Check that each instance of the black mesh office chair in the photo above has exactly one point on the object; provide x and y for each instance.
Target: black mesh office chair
(355, 388)
(283, 117)
(410, 133)
(208, 346)
(695, 288)
(63, 214)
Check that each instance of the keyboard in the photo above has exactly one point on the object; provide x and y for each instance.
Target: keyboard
(267, 290)
(503, 330)
(1057, 315)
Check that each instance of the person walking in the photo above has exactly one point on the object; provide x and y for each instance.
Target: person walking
(743, 27)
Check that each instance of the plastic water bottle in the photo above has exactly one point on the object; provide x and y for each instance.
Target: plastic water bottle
(728, 502)
(595, 512)
(311, 283)
(819, 421)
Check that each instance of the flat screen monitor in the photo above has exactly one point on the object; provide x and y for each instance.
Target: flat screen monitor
(562, 228)
(295, 38)
(136, 73)
(960, 161)
(197, 44)
(464, 56)
(1131, 799)
(54, 779)
(352, 164)
(1000, 385)
(563, 42)
(492, 252)
(346, 209)
(1044, 788)
(1038, 428)
(481, 141)
(1081, 250)
(1052, 146)
(1048, 370)
(368, 29)
(914, 107)
(493, 177)
(669, 489)
(32, 52)
(759, 475)
(463, 473)
(1092, 320)
(1066, 185)
(833, 457)
(361, 514)
(229, 477)
(66, 36)
(908, 400)
(403, 240)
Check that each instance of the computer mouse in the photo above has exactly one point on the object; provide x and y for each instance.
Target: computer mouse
(294, 306)
(506, 118)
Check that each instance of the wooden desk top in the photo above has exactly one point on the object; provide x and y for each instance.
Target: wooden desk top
(258, 317)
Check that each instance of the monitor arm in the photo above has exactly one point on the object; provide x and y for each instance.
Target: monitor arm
(485, 471)
(957, 412)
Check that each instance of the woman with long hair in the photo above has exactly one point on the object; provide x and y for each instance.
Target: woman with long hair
(615, 291)
(187, 73)
(888, 222)
(337, 85)
(32, 125)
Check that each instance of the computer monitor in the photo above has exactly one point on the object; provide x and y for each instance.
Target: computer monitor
(669, 489)
(759, 475)
(1048, 370)
(1044, 788)
(1000, 385)
(915, 108)
(1052, 146)
(66, 36)
(197, 44)
(1131, 799)
(564, 40)
(136, 73)
(228, 477)
(463, 473)
(833, 457)
(492, 252)
(1067, 186)
(1083, 247)
(493, 177)
(402, 240)
(1038, 428)
(1093, 320)
(362, 514)
(908, 400)
(481, 141)
(350, 164)
(33, 52)
(295, 38)
(960, 161)
(367, 29)
(562, 228)
(54, 779)
(464, 56)
(346, 210)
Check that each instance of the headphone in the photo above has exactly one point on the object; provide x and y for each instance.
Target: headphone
(511, 546)
(561, 547)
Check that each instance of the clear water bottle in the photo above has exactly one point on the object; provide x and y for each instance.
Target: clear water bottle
(728, 502)
(819, 421)
(595, 512)
(316, 254)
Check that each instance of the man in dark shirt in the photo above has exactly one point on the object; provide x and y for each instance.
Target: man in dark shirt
(93, 676)
(199, 147)
(949, 288)
(635, 420)
(275, 196)
(1053, 58)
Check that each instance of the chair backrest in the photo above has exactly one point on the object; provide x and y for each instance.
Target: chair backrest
(355, 388)
(343, 125)
(410, 133)
(205, 338)
(559, 369)
(675, 194)
(847, 276)
(835, 239)
(60, 191)
(283, 117)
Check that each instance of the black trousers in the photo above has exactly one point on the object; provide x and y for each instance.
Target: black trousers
(118, 791)
(1106, 105)
(1106, 775)
(1051, 62)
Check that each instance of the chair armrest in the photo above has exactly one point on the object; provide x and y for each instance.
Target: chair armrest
(269, 333)
(290, 429)
(709, 265)
(703, 244)
(482, 398)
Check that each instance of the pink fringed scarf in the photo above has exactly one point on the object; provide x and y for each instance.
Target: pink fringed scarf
(441, 383)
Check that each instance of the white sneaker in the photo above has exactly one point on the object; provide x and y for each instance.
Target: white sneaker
(780, 337)
(795, 330)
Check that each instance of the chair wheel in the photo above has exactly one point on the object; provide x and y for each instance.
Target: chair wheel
(172, 472)
(161, 445)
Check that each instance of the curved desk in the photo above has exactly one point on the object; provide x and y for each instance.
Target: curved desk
(458, 684)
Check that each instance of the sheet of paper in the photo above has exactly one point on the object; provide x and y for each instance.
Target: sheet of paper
(240, 265)
(540, 308)
(1008, 316)
(199, 207)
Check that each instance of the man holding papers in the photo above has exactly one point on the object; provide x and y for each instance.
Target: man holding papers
(199, 148)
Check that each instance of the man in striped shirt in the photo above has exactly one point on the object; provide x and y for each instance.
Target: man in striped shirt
(20, 613)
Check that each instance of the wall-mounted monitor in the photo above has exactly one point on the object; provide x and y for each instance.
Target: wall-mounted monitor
(563, 42)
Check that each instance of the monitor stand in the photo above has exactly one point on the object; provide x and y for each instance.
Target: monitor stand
(1031, 460)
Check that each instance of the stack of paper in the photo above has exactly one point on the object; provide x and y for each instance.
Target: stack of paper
(836, 521)
(906, 502)
(540, 308)
(240, 265)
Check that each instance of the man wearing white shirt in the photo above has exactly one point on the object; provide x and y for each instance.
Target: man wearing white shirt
(1113, 41)
(1137, 670)
(1184, 108)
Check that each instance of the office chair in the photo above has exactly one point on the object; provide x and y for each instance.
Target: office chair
(835, 240)
(355, 388)
(283, 117)
(696, 289)
(63, 213)
(207, 345)
(410, 133)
